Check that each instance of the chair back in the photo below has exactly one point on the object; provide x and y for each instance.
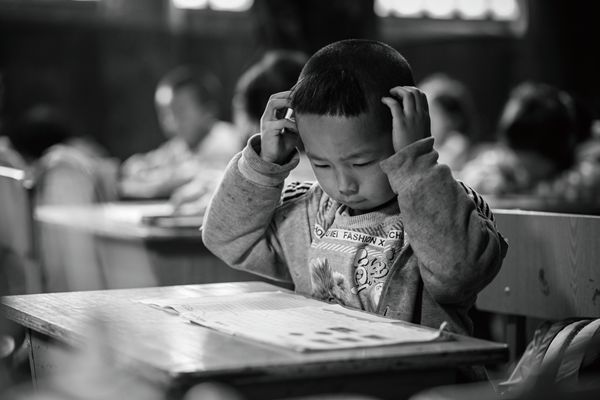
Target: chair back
(67, 175)
(551, 267)
(17, 229)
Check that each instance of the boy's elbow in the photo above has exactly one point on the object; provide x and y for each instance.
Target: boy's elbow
(448, 288)
(466, 277)
(211, 241)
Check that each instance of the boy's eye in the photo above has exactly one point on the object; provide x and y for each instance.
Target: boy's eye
(321, 165)
(362, 164)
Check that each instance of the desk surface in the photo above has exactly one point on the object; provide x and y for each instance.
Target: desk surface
(119, 220)
(169, 348)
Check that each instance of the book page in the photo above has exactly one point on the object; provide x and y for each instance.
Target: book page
(293, 321)
(271, 300)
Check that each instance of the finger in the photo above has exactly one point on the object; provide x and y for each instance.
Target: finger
(395, 108)
(277, 98)
(273, 105)
(281, 95)
(421, 105)
(406, 98)
(278, 125)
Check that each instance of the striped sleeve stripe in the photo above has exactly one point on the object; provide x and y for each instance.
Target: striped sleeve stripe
(482, 207)
(295, 190)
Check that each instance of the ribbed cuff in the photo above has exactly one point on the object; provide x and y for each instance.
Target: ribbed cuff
(412, 151)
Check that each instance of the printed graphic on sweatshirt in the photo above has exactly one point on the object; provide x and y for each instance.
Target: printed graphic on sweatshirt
(359, 262)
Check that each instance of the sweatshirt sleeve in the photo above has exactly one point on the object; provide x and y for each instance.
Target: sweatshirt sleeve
(238, 225)
(450, 227)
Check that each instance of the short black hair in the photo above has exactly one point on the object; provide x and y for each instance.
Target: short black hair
(349, 77)
(543, 121)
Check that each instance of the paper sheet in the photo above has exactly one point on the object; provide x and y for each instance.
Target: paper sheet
(294, 321)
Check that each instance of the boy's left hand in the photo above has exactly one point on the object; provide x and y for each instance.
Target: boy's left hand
(410, 115)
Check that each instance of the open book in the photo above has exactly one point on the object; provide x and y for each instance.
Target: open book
(294, 321)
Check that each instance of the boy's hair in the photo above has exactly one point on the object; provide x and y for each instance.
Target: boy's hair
(277, 70)
(540, 118)
(206, 85)
(349, 77)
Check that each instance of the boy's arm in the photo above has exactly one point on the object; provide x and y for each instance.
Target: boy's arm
(449, 226)
(238, 224)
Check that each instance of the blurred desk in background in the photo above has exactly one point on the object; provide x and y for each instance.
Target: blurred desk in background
(168, 350)
(542, 203)
(107, 246)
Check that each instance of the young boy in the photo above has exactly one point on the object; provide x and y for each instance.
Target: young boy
(385, 229)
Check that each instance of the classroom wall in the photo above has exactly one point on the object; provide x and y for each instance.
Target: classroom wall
(104, 72)
(106, 75)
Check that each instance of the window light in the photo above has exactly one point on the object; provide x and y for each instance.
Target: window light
(472, 9)
(440, 8)
(218, 5)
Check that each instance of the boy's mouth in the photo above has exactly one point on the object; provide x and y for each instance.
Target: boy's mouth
(352, 202)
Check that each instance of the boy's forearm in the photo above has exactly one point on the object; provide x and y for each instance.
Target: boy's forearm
(237, 226)
(458, 246)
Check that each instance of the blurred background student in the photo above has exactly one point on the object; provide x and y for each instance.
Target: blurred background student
(276, 71)
(452, 113)
(69, 167)
(198, 143)
(536, 142)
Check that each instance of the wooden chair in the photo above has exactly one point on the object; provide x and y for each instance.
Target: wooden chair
(551, 273)
(20, 271)
(66, 175)
(17, 232)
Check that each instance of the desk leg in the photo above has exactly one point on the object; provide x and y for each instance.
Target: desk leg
(45, 356)
(515, 337)
(31, 358)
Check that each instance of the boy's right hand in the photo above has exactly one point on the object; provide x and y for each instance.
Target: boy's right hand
(279, 135)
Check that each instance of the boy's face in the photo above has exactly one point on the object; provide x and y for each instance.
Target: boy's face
(345, 153)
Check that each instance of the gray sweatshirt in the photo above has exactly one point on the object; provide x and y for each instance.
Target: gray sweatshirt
(422, 259)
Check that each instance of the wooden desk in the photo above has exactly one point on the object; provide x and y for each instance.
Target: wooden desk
(119, 251)
(165, 348)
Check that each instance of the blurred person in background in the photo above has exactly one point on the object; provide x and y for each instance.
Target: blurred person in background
(276, 71)
(199, 143)
(9, 157)
(452, 114)
(536, 143)
(82, 171)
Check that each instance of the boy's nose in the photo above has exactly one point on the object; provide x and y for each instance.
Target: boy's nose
(346, 185)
